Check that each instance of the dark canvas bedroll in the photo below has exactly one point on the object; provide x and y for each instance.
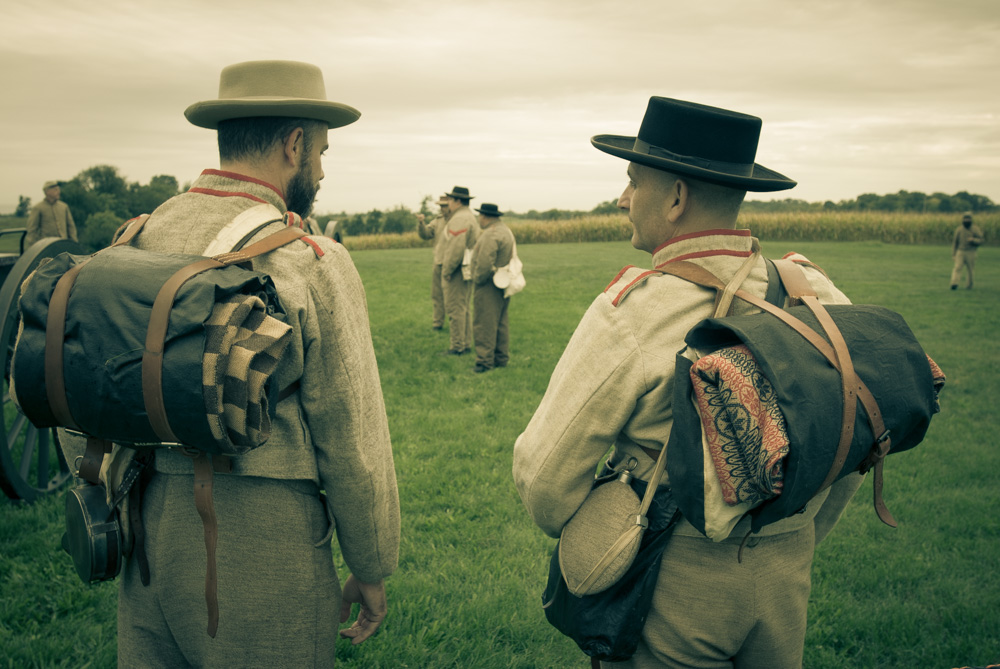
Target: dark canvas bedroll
(104, 338)
(886, 357)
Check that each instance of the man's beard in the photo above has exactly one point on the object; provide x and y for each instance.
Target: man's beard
(302, 191)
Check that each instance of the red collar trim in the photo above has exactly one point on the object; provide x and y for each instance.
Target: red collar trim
(703, 233)
(243, 177)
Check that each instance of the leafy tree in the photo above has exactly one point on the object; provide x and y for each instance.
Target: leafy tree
(23, 206)
(354, 225)
(98, 229)
(609, 207)
(373, 221)
(398, 221)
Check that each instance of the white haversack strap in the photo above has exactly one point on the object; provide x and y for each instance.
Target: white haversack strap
(237, 229)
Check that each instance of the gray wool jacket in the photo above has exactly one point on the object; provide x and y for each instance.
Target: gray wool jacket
(333, 430)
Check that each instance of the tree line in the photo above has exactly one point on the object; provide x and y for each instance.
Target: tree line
(101, 199)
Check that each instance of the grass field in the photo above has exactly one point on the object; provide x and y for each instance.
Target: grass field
(472, 567)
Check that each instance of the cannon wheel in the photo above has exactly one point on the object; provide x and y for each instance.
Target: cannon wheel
(31, 462)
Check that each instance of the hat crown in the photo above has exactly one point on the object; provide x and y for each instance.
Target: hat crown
(700, 131)
(272, 79)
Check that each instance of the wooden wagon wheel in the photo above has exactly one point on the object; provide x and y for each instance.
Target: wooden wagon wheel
(31, 462)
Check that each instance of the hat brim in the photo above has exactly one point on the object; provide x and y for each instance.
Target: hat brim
(761, 179)
(209, 113)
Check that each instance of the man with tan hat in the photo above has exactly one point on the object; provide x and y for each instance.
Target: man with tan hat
(435, 230)
(460, 235)
(50, 218)
(494, 248)
(688, 171)
(327, 467)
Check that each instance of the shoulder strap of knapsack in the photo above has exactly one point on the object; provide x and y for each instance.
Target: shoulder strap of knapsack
(836, 353)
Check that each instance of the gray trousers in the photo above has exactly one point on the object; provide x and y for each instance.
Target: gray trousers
(456, 305)
(279, 596)
(966, 259)
(437, 297)
(712, 612)
(489, 326)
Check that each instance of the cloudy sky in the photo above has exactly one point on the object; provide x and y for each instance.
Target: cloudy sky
(503, 96)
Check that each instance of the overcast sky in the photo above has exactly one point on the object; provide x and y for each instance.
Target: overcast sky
(503, 96)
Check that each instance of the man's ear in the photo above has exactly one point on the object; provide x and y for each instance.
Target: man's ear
(677, 200)
(294, 148)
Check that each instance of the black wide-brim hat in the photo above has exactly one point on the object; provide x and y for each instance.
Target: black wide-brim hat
(489, 209)
(708, 143)
(460, 192)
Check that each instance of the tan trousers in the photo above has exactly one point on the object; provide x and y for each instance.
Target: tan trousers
(437, 296)
(965, 259)
(456, 306)
(489, 326)
(710, 611)
(279, 596)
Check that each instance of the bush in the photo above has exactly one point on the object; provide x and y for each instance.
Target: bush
(98, 230)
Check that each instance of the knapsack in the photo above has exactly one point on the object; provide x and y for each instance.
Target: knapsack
(137, 350)
(788, 382)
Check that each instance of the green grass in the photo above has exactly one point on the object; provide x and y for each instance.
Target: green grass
(472, 566)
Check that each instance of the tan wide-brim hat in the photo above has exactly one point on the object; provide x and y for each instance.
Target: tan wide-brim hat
(271, 88)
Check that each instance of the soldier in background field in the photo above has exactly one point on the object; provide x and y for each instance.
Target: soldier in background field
(968, 238)
(460, 235)
(435, 230)
(50, 218)
(494, 248)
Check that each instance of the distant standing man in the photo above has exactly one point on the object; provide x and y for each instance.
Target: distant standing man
(968, 238)
(435, 230)
(50, 218)
(460, 234)
(493, 249)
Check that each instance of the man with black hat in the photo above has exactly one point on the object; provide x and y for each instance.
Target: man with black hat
(690, 167)
(327, 466)
(435, 230)
(493, 249)
(459, 237)
(50, 218)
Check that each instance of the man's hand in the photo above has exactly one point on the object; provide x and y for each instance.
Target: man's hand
(420, 217)
(371, 596)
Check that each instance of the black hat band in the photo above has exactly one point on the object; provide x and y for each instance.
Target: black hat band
(734, 169)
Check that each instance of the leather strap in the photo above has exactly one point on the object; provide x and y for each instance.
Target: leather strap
(128, 230)
(152, 356)
(203, 480)
(93, 458)
(55, 333)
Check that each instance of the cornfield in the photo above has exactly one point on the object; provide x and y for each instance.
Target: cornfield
(816, 226)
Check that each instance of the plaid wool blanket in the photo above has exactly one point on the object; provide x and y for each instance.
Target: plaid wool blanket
(243, 345)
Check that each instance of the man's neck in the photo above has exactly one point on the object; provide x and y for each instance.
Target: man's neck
(257, 171)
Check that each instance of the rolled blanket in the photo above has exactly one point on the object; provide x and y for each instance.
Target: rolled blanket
(242, 348)
(742, 425)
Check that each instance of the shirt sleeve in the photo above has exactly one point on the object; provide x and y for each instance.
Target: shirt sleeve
(345, 412)
(590, 397)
